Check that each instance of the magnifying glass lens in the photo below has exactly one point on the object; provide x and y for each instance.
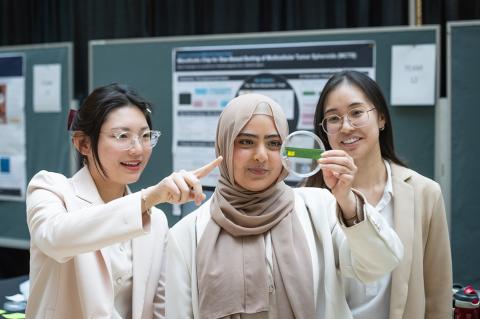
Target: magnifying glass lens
(300, 152)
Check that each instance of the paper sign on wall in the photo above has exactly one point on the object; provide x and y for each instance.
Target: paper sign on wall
(46, 87)
(413, 74)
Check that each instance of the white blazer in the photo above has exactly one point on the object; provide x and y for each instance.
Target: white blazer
(70, 275)
(365, 251)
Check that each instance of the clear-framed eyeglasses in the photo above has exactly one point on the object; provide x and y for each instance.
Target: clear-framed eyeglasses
(356, 117)
(125, 140)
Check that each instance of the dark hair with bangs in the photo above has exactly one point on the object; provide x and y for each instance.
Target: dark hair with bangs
(96, 107)
(374, 94)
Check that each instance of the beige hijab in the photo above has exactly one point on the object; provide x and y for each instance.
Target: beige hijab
(231, 258)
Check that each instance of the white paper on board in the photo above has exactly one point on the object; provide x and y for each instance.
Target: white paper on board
(413, 74)
(46, 87)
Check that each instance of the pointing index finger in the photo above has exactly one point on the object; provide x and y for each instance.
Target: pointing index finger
(205, 170)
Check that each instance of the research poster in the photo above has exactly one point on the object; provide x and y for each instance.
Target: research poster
(293, 74)
(12, 128)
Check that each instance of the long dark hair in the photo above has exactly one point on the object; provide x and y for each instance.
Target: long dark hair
(372, 91)
(96, 107)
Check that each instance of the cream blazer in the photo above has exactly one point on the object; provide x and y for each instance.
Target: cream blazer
(422, 283)
(365, 251)
(70, 275)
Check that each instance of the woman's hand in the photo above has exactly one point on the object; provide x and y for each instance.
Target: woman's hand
(339, 172)
(180, 187)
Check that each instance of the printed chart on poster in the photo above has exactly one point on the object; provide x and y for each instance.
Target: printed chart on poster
(293, 74)
(12, 128)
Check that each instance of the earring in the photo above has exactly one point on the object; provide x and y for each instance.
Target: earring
(382, 128)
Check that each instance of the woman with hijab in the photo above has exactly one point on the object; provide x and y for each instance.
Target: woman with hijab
(259, 249)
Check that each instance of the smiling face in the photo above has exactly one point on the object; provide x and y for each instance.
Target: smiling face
(363, 142)
(122, 167)
(256, 154)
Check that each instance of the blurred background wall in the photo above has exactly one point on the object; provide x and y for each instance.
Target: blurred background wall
(78, 21)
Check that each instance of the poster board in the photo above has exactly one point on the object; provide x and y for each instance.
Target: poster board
(462, 86)
(47, 140)
(146, 64)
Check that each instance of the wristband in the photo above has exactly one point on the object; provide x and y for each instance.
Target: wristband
(353, 220)
(144, 201)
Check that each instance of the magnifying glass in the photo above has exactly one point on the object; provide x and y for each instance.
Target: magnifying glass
(300, 152)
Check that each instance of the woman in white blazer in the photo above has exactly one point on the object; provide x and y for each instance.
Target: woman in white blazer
(96, 249)
(258, 249)
(352, 115)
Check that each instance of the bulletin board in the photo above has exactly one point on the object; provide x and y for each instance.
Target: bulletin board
(47, 139)
(146, 64)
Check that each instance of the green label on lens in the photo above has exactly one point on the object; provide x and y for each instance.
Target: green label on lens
(303, 152)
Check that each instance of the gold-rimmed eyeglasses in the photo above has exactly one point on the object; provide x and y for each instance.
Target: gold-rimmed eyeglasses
(356, 117)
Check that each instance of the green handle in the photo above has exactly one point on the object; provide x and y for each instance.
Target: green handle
(312, 153)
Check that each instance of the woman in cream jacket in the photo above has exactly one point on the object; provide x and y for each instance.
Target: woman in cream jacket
(352, 116)
(97, 250)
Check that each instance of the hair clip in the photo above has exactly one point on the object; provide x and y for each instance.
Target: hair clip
(72, 114)
(149, 111)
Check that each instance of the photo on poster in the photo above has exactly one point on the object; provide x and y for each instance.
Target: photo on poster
(3, 104)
